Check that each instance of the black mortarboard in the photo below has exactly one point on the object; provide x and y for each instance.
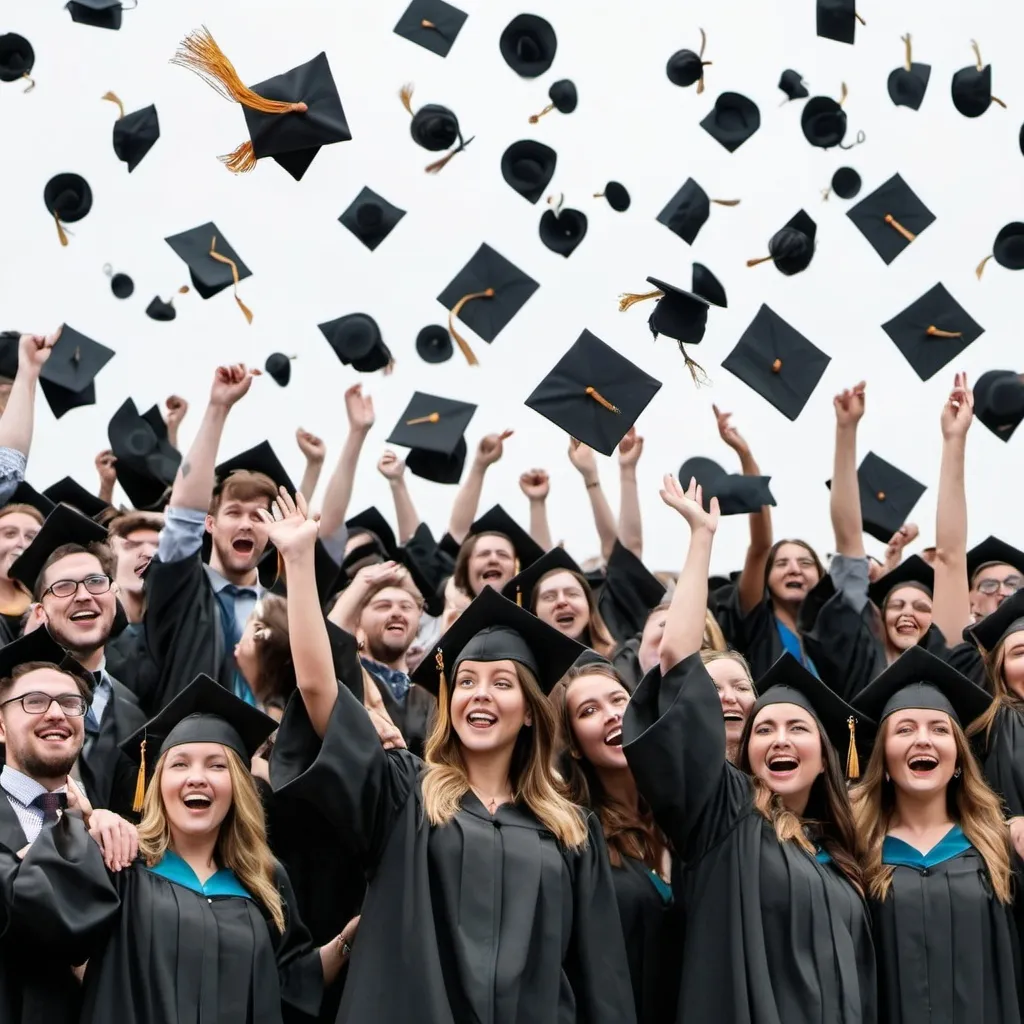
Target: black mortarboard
(891, 217)
(146, 463)
(39, 645)
(493, 628)
(357, 342)
(68, 197)
(932, 331)
(617, 195)
(908, 84)
(594, 394)
(528, 44)
(9, 342)
(17, 57)
(433, 428)
(688, 210)
(778, 362)
(434, 344)
(161, 311)
(522, 586)
(988, 633)
(563, 97)
(269, 569)
(434, 127)
(736, 494)
(823, 121)
(999, 401)
(919, 680)
(846, 183)
(26, 494)
(432, 24)
(792, 84)
(837, 19)
(1007, 249)
(261, 458)
(971, 87)
(992, 551)
(912, 571)
(62, 526)
(69, 491)
(134, 134)
(733, 120)
(488, 270)
(528, 167)
(497, 520)
(68, 376)
(562, 231)
(707, 286)
(97, 13)
(887, 496)
(371, 521)
(371, 218)
(121, 285)
(791, 248)
(685, 67)
(848, 730)
(279, 367)
(678, 314)
(209, 276)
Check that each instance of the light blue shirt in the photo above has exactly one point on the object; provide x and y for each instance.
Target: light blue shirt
(21, 791)
(102, 695)
(12, 472)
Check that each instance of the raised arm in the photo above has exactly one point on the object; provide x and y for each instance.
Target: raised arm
(490, 449)
(844, 501)
(176, 409)
(631, 533)
(359, 408)
(392, 468)
(18, 420)
(536, 484)
(314, 450)
(583, 458)
(106, 469)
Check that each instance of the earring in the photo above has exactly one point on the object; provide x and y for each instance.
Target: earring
(575, 754)
(956, 774)
(887, 779)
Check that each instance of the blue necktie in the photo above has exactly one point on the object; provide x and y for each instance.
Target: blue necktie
(226, 599)
(92, 723)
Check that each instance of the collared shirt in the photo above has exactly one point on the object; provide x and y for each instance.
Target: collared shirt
(397, 682)
(102, 695)
(12, 472)
(20, 791)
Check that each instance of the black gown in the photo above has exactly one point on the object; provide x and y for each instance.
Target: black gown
(754, 633)
(772, 936)
(486, 919)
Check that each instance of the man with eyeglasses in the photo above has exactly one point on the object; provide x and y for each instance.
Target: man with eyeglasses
(995, 571)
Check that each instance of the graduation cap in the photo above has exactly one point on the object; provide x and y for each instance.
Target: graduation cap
(432, 24)
(932, 331)
(685, 67)
(493, 628)
(135, 134)
(371, 218)
(1007, 250)
(528, 45)
(616, 194)
(791, 248)
(912, 571)
(68, 197)
(146, 462)
(434, 344)
(992, 551)
(67, 377)
(435, 128)
(279, 367)
(562, 229)
(17, 58)
(848, 730)
(887, 496)
(733, 120)
(908, 84)
(845, 183)
(120, 284)
(212, 264)
(823, 120)
(988, 633)
(792, 84)
(522, 587)
(357, 342)
(528, 167)
(97, 13)
(69, 491)
(162, 311)
(485, 295)
(497, 520)
(289, 117)
(972, 87)
(891, 217)
(26, 494)
(707, 286)
(999, 401)
(594, 394)
(736, 494)
(688, 210)
(837, 19)
(563, 97)
(778, 362)
(62, 526)
(371, 521)
(432, 428)
(261, 458)
(921, 681)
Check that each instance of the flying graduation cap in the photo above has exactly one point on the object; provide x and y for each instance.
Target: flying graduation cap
(434, 344)
(163, 311)
(68, 197)
(17, 58)
(887, 496)
(435, 128)
(371, 218)
(688, 210)
(433, 428)
(98, 13)
(837, 19)
(357, 341)
(562, 229)
(617, 196)
(528, 45)
(67, 377)
(846, 184)
(685, 67)
(733, 120)
(707, 286)
(791, 248)
(563, 98)
(1007, 249)
(528, 167)
(289, 117)
(279, 367)
(737, 494)
(432, 24)
(971, 87)
(792, 84)
(908, 84)
(823, 120)
(999, 401)
(891, 217)
(147, 462)
(135, 134)
(212, 264)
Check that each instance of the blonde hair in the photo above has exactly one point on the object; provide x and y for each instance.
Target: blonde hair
(241, 841)
(1002, 695)
(710, 654)
(532, 775)
(714, 638)
(970, 801)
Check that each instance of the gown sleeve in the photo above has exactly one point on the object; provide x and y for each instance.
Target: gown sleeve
(964, 657)
(629, 592)
(299, 967)
(673, 736)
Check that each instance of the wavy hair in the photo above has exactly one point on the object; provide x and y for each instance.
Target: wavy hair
(596, 634)
(1002, 695)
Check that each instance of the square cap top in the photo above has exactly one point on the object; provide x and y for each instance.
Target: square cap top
(135, 134)
(992, 551)
(371, 218)
(146, 462)
(687, 211)
(209, 276)
(62, 526)
(497, 520)
(39, 645)
(887, 496)
(26, 494)
(837, 19)
(891, 217)
(69, 491)
(75, 361)
(912, 571)
(261, 458)
(97, 13)
(932, 331)
(432, 24)
(431, 423)
(733, 120)
(737, 494)
(594, 394)
(778, 362)
(488, 270)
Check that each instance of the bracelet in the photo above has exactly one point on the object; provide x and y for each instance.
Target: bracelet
(595, 483)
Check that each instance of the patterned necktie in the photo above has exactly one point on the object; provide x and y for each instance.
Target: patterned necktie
(50, 804)
(92, 723)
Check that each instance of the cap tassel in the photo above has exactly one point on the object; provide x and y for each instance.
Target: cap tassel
(439, 662)
(907, 62)
(140, 780)
(977, 55)
(405, 95)
(897, 226)
(726, 202)
(697, 372)
(860, 19)
(114, 98)
(843, 94)
(234, 273)
(762, 259)
(240, 160)
(519, 597)
(534, 118)
(860, 138)
(426, 23)
(31, 82)
(935, 332)
(852, 759)
(61, 233)
(438, 164)
(432, 418)
(996, 99)
(629, 299)
(980, 268)
(487, 293)
(703, 63)
(825, 193)
(601, 400)
(201, 54)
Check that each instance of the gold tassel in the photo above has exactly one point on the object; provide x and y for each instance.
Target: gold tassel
(234, 273)
(980, 268)
(405, 95)
(697, 372)
(935, 332)
(763, 259)
(703, 63)
(852, 759)
(438, 164)
(424, 23)
(516, 567)
(140, 780)
(895, 224)
(600, 399)
(534, 118)
(860, 19)
(996, 99)
(31, 82)
(439, 662)
(241, 160)
(907, 62)
(432, 418)
(977, 55)
(201, 54)
(114, 98)
(61, 234)
(825, 193)
(183, 290)
(519, 597)
(487, 293)
(843, 93)
(629, 299)
(726, 202)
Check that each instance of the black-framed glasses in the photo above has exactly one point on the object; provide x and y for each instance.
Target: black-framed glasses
(990, 585)
(97, 584)
(73, 705)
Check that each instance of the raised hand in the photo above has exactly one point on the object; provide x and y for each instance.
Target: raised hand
(690, 504)
(176, 409)
(289, 526)
(310, 445)
(583, 458)
(905, 535)
(390, 466)
(491, 448)
(958, 412)
(359, 408)
(849, 405)
(535, 484)
(729, 434)
(106, 467)
(631, 447)
(35, 349)
(230, 383)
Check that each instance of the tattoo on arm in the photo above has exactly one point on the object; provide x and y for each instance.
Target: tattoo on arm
(186, 468)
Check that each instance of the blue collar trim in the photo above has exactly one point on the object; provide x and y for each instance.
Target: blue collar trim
(952, 844)
(223, 883)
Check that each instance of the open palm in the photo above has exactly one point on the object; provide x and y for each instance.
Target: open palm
(289, 526)
(690, 504)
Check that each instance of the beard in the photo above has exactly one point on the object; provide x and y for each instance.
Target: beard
(386, 651)
(54, 767)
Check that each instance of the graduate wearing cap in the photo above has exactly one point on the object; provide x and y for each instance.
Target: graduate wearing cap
(20, 521)
(773, 895)
(936, 855)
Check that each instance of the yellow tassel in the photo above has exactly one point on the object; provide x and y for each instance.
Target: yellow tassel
(439, 662)
(234, 273)
(519, 596)
(241, 160)
(980, 268)
(897, 226)
(762, 259)
(859, 18)
(600, 399)
(534, 118)
(907, 63)
(697, 372)
(977, 55)
(726, 202)
(629, 299)
(438, 164)
(852, 760)
(935, 332)
(61, 234)
(114, 98)
(405, 95)
(998, 101)
(844, 92)
(140, 781)
(487, 293)
(31, 82)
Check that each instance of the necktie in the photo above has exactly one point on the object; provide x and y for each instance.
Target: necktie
(92, 723)
(226, 599)
(50, 804)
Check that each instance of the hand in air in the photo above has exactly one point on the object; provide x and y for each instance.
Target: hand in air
(690, 504)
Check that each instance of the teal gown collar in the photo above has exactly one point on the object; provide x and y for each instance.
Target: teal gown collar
(952, 844)
(176, 870)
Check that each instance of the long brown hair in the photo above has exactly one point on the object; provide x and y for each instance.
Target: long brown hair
(275, 670)
(773, 554)
(596, 635)
(241, 841)
(531, 773)
(969, 800)
(468, 546)
(1002, 695)
(828, 818)
(628, 831)
(714, 638)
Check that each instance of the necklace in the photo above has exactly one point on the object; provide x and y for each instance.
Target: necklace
(492, 803)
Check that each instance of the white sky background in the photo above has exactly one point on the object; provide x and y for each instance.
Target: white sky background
(631, 125)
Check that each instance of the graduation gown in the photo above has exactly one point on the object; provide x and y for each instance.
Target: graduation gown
(128, 659)
(178, 956)
(947, 948)
(754, 633)
(485, 919)
(627, 594)
(772, 935)
(1001, 753)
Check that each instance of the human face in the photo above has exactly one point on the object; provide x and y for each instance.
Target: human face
(389, 623)
(238, 534)
(596, 705)
(736, 693)
(195, 787)
(561, 603)
(784, 751)
(1013, 663)
(17, 531)
(492, 563)
(488, 706)
(792, 574)
(134, 553)
(993, 585)
(650, 639)
(43, 747)
(908, 614)
(83, 621)
(920, 751)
